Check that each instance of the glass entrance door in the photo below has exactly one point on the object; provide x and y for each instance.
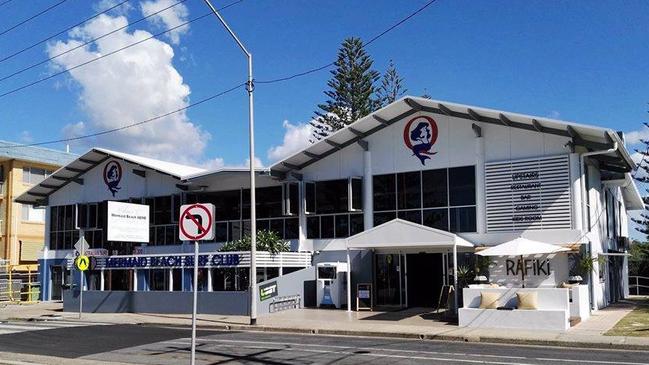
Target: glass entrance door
(388, 277)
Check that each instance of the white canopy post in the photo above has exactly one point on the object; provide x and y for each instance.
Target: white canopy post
(455, 281)
(349, 282)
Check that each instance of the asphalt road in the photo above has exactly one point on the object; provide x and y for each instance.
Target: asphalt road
(164, 345)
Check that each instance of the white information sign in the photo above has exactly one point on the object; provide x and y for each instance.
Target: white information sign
(128, 222)
(528, 194)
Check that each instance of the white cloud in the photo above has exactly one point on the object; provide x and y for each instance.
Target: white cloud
(167, 19)
(634, 137)
(554, 114)
(26, 137)
(296, 138)
(105, 4)
(130, 86)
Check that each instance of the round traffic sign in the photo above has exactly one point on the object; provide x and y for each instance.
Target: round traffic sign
(189, 222)
(82, 262)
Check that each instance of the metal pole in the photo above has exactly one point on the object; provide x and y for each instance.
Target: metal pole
(193, 359)
(455, 281)
(251, 126)
(83, 251)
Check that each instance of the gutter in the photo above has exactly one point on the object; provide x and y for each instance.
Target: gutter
(586, 226)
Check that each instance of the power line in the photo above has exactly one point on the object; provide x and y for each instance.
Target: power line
(102, 56)
(5, 2)
(89, 42)
(131, 125)
(373, 39)
(31, 17)
(61, 32)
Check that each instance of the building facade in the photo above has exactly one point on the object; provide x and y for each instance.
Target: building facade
(22, 226)
(403, 196)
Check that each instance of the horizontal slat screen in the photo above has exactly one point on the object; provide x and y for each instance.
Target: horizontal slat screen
(528, 194)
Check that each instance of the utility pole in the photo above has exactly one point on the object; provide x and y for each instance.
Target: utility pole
(251, 126)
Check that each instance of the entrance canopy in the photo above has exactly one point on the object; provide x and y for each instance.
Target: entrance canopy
(399, 233)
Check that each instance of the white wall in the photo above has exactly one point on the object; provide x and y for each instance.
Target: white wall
(94, 189)
(455, 146)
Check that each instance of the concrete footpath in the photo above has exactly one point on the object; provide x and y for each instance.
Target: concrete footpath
(410, 323)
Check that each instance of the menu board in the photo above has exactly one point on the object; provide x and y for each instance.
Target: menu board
(528, 194)
(364, 297)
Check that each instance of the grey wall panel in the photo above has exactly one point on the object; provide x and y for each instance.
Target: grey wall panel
(226, 303)
(287, 285)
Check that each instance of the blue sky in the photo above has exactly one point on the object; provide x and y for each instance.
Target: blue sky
(581, 61)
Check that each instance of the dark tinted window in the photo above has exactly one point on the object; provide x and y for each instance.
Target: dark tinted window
(294, 198)
(277, 226)
(313, 227)
(462, 219)
(342, 225)
(310, 197)
(220, 232)
(434, 187)
(269, 202)
(357, 194)
(327, 226)
(461, 182)
(436, 218)
(292, 229)
(384, 189)
(380, 218)
(331, 196)
(409, 190)
(410, 215)
(355, 224)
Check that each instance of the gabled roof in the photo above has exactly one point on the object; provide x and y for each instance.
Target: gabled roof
(399, 233)
(594, 138)
(14, 151)
(74, 170)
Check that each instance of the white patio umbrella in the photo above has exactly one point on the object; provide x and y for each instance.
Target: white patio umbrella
(521, 247)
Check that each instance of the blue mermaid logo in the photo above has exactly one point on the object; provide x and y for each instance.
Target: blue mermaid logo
(419, 135)
(113, 176)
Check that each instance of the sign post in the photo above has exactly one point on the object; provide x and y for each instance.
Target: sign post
(82, 262)
(196, 223)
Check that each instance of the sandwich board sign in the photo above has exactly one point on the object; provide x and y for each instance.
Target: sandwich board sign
(196, 222)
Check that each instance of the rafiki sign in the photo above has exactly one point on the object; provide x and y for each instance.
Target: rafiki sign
(419, 135)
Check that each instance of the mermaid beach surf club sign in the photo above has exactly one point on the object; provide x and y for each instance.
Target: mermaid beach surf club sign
(419, 135)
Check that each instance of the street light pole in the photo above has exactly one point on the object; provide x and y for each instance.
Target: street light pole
(251, 132)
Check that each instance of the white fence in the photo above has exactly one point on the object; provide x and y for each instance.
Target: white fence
(638, 285)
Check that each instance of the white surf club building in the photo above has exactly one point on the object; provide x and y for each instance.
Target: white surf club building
(404, 196)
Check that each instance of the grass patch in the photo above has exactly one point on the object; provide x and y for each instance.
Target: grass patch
(635, 323)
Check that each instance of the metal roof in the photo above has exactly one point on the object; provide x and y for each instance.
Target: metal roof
(73, 171)
(14, 151)
(591, 137)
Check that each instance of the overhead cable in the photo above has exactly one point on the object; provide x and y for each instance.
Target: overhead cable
(61, 32)
(31, 17)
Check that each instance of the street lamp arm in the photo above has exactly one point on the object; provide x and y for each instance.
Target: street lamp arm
(227, 27)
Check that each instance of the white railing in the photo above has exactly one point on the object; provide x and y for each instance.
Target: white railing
(634, 282)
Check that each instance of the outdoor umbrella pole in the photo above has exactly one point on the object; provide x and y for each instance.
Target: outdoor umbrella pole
(523, 270)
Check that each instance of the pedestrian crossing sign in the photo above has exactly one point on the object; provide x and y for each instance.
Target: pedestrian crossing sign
(82, 263)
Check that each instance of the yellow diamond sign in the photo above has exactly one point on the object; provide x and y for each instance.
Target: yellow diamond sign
(82, 263)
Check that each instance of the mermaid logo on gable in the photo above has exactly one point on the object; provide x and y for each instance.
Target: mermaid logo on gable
(419, 135)
(112, 176)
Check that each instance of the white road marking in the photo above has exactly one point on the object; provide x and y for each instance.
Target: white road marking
(298, 347)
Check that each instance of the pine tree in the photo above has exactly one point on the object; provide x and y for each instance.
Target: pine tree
(391, 87)
(351, 90)
(642, 167)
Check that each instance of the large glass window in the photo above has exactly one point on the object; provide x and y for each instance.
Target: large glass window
(409, 196)
(461, 182)
(332, 196)
(384, 189)
(409, 190)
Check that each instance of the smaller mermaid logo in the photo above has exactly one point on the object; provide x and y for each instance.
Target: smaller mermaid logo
(419, 135)
(112, 176)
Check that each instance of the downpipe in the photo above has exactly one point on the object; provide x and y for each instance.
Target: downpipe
(586, 225)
